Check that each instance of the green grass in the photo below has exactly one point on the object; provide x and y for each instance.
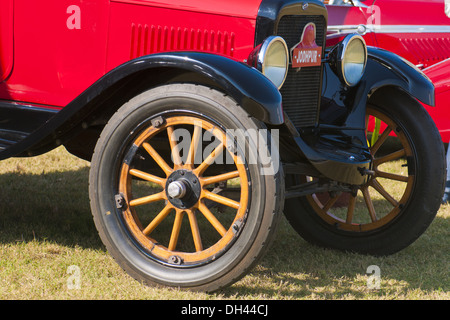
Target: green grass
(46, 227)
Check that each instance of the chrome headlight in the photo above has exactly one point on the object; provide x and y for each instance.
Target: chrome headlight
(271, 58)
(349, 59)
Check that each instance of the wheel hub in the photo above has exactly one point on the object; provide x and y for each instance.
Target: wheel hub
(183, 189)
(177, 189)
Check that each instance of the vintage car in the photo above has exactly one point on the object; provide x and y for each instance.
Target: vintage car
(204, 121)
(419, 31)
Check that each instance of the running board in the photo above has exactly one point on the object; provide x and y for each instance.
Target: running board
(9, 138)
(19, 120)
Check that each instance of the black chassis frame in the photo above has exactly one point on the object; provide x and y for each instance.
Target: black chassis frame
(27, 130)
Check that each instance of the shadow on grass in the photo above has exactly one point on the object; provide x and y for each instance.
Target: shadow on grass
(49, 206)
(295, 269)
(55, 207)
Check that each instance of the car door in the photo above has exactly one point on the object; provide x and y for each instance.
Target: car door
(350, 16)
(58, 48)
(6, 38)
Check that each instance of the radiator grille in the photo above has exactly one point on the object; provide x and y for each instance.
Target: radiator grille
(301, 91)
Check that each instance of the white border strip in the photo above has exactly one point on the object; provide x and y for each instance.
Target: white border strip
(391, 28)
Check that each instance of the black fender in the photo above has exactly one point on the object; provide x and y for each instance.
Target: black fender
(403, 74)
(345, 106)
(343, 110)
(247, 86)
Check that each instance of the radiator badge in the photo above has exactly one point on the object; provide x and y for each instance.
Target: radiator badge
(307, 53)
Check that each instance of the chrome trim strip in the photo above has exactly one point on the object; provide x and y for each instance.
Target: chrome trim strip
(436, 64)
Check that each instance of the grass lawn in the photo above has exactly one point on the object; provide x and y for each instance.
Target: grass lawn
(48, 240)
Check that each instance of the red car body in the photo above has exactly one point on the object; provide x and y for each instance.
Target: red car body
(416, 30)
(51, 65)
(140, 87)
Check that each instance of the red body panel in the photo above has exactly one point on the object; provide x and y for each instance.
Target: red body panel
(59, 50)
(346, 18)
(6, 36)
(62, 47)
(417, 30)
(439, 74)
(419, 43)
(137, 30)
(234, 8)
(53, 50)
(414, 29)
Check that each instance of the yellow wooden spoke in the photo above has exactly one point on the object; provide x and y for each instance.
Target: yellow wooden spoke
(369, 204)
(158, 219)
(350, 209)
(196, 137)
(148, 199)
(390, 157)
(148, 177)
(209, 160)
(174, 148)
(381, 139)
(176, 230)
(330, 203)
(391, 176)
(212, 219)
(195, 230)
(220, 199)
(158, 159)
(220, 177)
(377, 186)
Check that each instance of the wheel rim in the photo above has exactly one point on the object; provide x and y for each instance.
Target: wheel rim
(379, 201)
(184, 188)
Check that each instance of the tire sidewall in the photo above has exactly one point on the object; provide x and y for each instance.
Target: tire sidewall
(417, 213)
(186, 98)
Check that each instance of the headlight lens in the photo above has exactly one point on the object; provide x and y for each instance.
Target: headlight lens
(272, 59)
(349, 59)
(355, 58)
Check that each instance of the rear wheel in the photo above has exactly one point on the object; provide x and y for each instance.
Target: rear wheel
(174, 201)
(399, 200)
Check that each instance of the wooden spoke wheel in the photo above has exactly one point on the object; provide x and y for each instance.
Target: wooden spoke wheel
(185, 192)
(388, 189)
(179, 200)
(399, 199)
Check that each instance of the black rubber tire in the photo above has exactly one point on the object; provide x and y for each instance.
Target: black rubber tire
(414, 214)
(263, 211)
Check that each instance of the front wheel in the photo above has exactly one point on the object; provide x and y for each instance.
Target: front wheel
(177, 197)
(398, 202)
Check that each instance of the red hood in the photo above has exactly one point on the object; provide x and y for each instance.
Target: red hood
(236, 8)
